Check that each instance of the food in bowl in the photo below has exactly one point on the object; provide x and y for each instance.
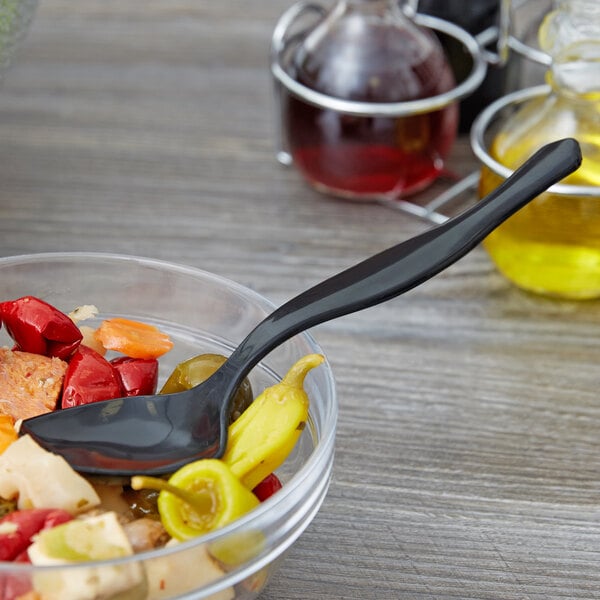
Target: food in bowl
(93, 520)
(55, 515)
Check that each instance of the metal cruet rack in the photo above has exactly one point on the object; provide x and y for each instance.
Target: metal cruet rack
(296, 22)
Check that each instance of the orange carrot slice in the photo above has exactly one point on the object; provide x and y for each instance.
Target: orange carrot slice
(132, 338)
(8, 433)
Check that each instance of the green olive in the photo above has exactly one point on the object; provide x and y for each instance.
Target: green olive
(199, 368)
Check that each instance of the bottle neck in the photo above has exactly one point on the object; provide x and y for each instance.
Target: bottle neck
(570, 88)
(576, 70)
(571, 35)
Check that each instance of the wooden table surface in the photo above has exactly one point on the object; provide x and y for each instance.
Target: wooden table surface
(468, 449)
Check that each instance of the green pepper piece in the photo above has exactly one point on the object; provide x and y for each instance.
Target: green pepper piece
(200, 497)
(195, 370)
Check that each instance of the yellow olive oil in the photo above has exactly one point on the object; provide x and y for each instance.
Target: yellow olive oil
(552, 245)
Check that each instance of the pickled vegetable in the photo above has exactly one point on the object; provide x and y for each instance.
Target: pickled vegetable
(40, 328)
(198, 369)
(200, 497)
(52, 515)
(132, 338)
(262, 438)
(210, 493)
(8, 433)
(19, 527)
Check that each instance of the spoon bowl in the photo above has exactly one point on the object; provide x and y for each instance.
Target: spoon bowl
(157, 434)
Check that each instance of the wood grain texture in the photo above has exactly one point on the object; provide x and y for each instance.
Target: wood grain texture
(468, 454)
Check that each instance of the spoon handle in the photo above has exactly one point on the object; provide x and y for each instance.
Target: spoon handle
(406, 265)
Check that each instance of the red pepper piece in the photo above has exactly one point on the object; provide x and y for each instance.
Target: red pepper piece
(24, 556)
(26, 524)
(267, 487)
(89, 378)
(139, 376)
(13, 587)
(38, 327)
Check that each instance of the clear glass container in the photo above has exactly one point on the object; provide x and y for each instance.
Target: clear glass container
(552, 246)
(353, 97)
(202, 312)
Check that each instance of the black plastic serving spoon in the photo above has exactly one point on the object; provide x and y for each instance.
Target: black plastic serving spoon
(157, 434)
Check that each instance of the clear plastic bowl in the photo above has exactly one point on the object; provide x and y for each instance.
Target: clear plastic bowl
(203, 313)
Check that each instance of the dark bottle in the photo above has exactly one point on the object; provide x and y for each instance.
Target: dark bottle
(475, 17)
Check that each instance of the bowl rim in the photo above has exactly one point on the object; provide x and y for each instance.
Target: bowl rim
(320, 457)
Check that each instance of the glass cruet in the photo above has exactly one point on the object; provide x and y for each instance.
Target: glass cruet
(369, 51)
(552, 246)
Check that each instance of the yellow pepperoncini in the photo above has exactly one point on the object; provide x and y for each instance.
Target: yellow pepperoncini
(267, 431)
(210, 493)
(198, 498)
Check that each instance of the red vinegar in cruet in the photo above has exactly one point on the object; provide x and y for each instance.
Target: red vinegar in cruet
(368, 51)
